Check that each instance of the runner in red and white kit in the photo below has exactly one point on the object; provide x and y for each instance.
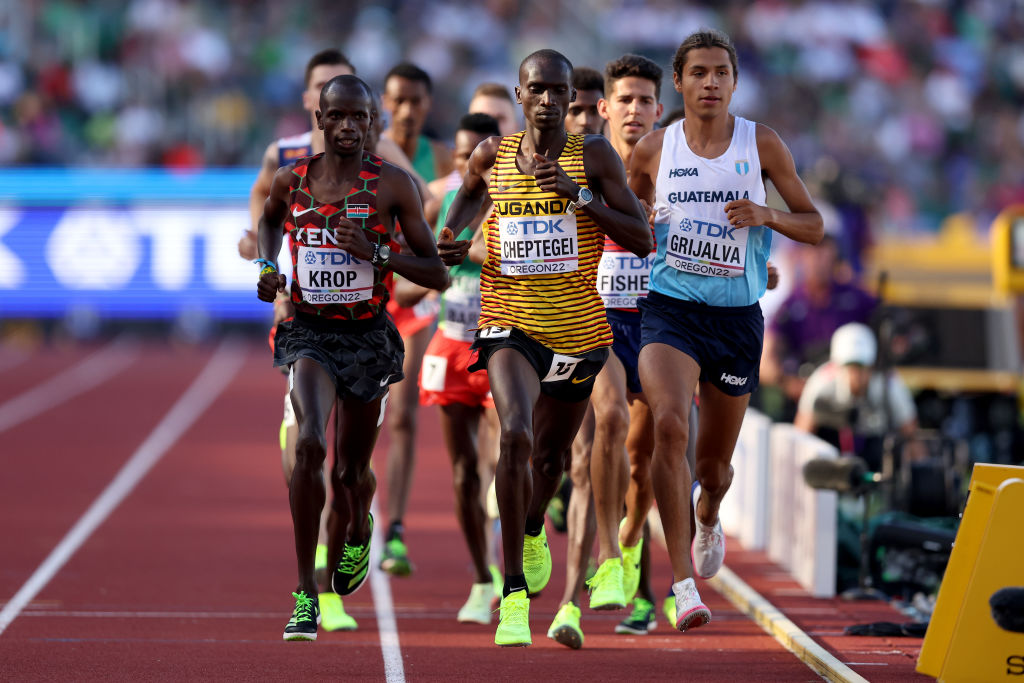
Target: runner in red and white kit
(339, 210)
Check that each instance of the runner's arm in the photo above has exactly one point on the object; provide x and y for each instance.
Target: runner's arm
(620, 215)
(423, 266)
(802, 222)
(468, 200)
(643, 168)
(257, 198)
(275, 209)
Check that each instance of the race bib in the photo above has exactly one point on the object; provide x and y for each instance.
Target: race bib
(622, 278)
(461, 309)
(333, 276)
(535, 245)
(561, 368)
(705, 248)
(433, 373)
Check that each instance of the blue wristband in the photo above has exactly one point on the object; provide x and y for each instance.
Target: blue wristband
(267, 263)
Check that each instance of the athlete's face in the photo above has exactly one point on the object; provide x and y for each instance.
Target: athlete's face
(501, 109)
(583, 117)
(345, 116)
(465, 142)
(706, 82)
(545, 91)
(318, 78)
(631, 108)
(408, 102)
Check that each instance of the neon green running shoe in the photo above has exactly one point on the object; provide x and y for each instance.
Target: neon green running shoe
(321, 557)
(668, 608)
(305, 617)
(353, 567)
(640, 621)
(536, 561)
(332, 614)
(395, 558)
(497, 580)
(606, 586)
(514, 627)
(631, 569)
(565, 629)
(282, 435)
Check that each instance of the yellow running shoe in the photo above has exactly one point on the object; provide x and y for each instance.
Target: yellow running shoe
(606, 586)
(332, 614)
(497, 579)
(630, 567)
(514, 625)
(565, 629)
(536, 561)
(478, 607)
(668, 608)
(321, 557)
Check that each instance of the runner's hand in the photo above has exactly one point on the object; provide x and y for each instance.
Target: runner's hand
(247, 246)
(352, 239)
(773, 276)
(551, 178)
(452, 251)
(743, 213)
(269, 285)
(648, 211)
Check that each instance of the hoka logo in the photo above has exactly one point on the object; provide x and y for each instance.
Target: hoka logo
(682, 172)
(733, 380)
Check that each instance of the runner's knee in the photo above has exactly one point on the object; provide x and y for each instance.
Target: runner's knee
(671, 430)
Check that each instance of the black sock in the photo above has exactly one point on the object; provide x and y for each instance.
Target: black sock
(395, 530)
(513, 583)
(535, 529)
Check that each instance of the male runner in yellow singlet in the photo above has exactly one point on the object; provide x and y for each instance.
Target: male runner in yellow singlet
(543, 335)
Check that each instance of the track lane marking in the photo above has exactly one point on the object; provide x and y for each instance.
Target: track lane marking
(776, 624)
(65, 385)
(214, 378)
(384, 607)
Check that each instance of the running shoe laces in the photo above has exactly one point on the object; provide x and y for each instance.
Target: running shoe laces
(352, 555)
(303, 607)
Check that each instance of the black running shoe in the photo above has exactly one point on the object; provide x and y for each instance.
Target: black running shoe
(353, 567)
(305, 617)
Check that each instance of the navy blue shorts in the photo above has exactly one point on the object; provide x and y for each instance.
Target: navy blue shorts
(566, 378)
(626, 345)
(725, 341)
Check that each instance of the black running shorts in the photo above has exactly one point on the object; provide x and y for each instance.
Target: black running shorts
(567, 378)
(362, 357)
(725, 341)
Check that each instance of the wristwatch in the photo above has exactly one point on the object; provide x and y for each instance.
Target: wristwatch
(582, 199)
(381, 255)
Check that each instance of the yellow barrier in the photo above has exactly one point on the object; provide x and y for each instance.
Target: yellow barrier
(963, 643)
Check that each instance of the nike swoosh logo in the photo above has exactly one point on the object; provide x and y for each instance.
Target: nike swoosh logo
(299, 213)
(582, 380)
(384, 381)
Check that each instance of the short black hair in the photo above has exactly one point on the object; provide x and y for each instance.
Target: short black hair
(484, 124)
(585, 78)
(672, 117)
(411, 72)
(546, 54)
(632, 65)
(347, 81)
(330, 57)
(707, 37)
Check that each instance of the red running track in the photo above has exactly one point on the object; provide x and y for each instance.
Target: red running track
(189, 577)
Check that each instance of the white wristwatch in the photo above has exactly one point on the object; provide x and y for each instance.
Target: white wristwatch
(584, 197)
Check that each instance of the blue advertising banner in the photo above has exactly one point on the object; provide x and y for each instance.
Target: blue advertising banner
(126, 244)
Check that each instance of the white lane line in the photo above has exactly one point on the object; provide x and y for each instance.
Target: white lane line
(394, 671)
(94, 370)
(214, 378)
(775, 623)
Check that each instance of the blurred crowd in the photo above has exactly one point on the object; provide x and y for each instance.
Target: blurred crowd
(898, 113)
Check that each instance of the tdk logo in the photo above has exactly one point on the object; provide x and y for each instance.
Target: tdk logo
(733, 380)
(707, 228)
(682, 172)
